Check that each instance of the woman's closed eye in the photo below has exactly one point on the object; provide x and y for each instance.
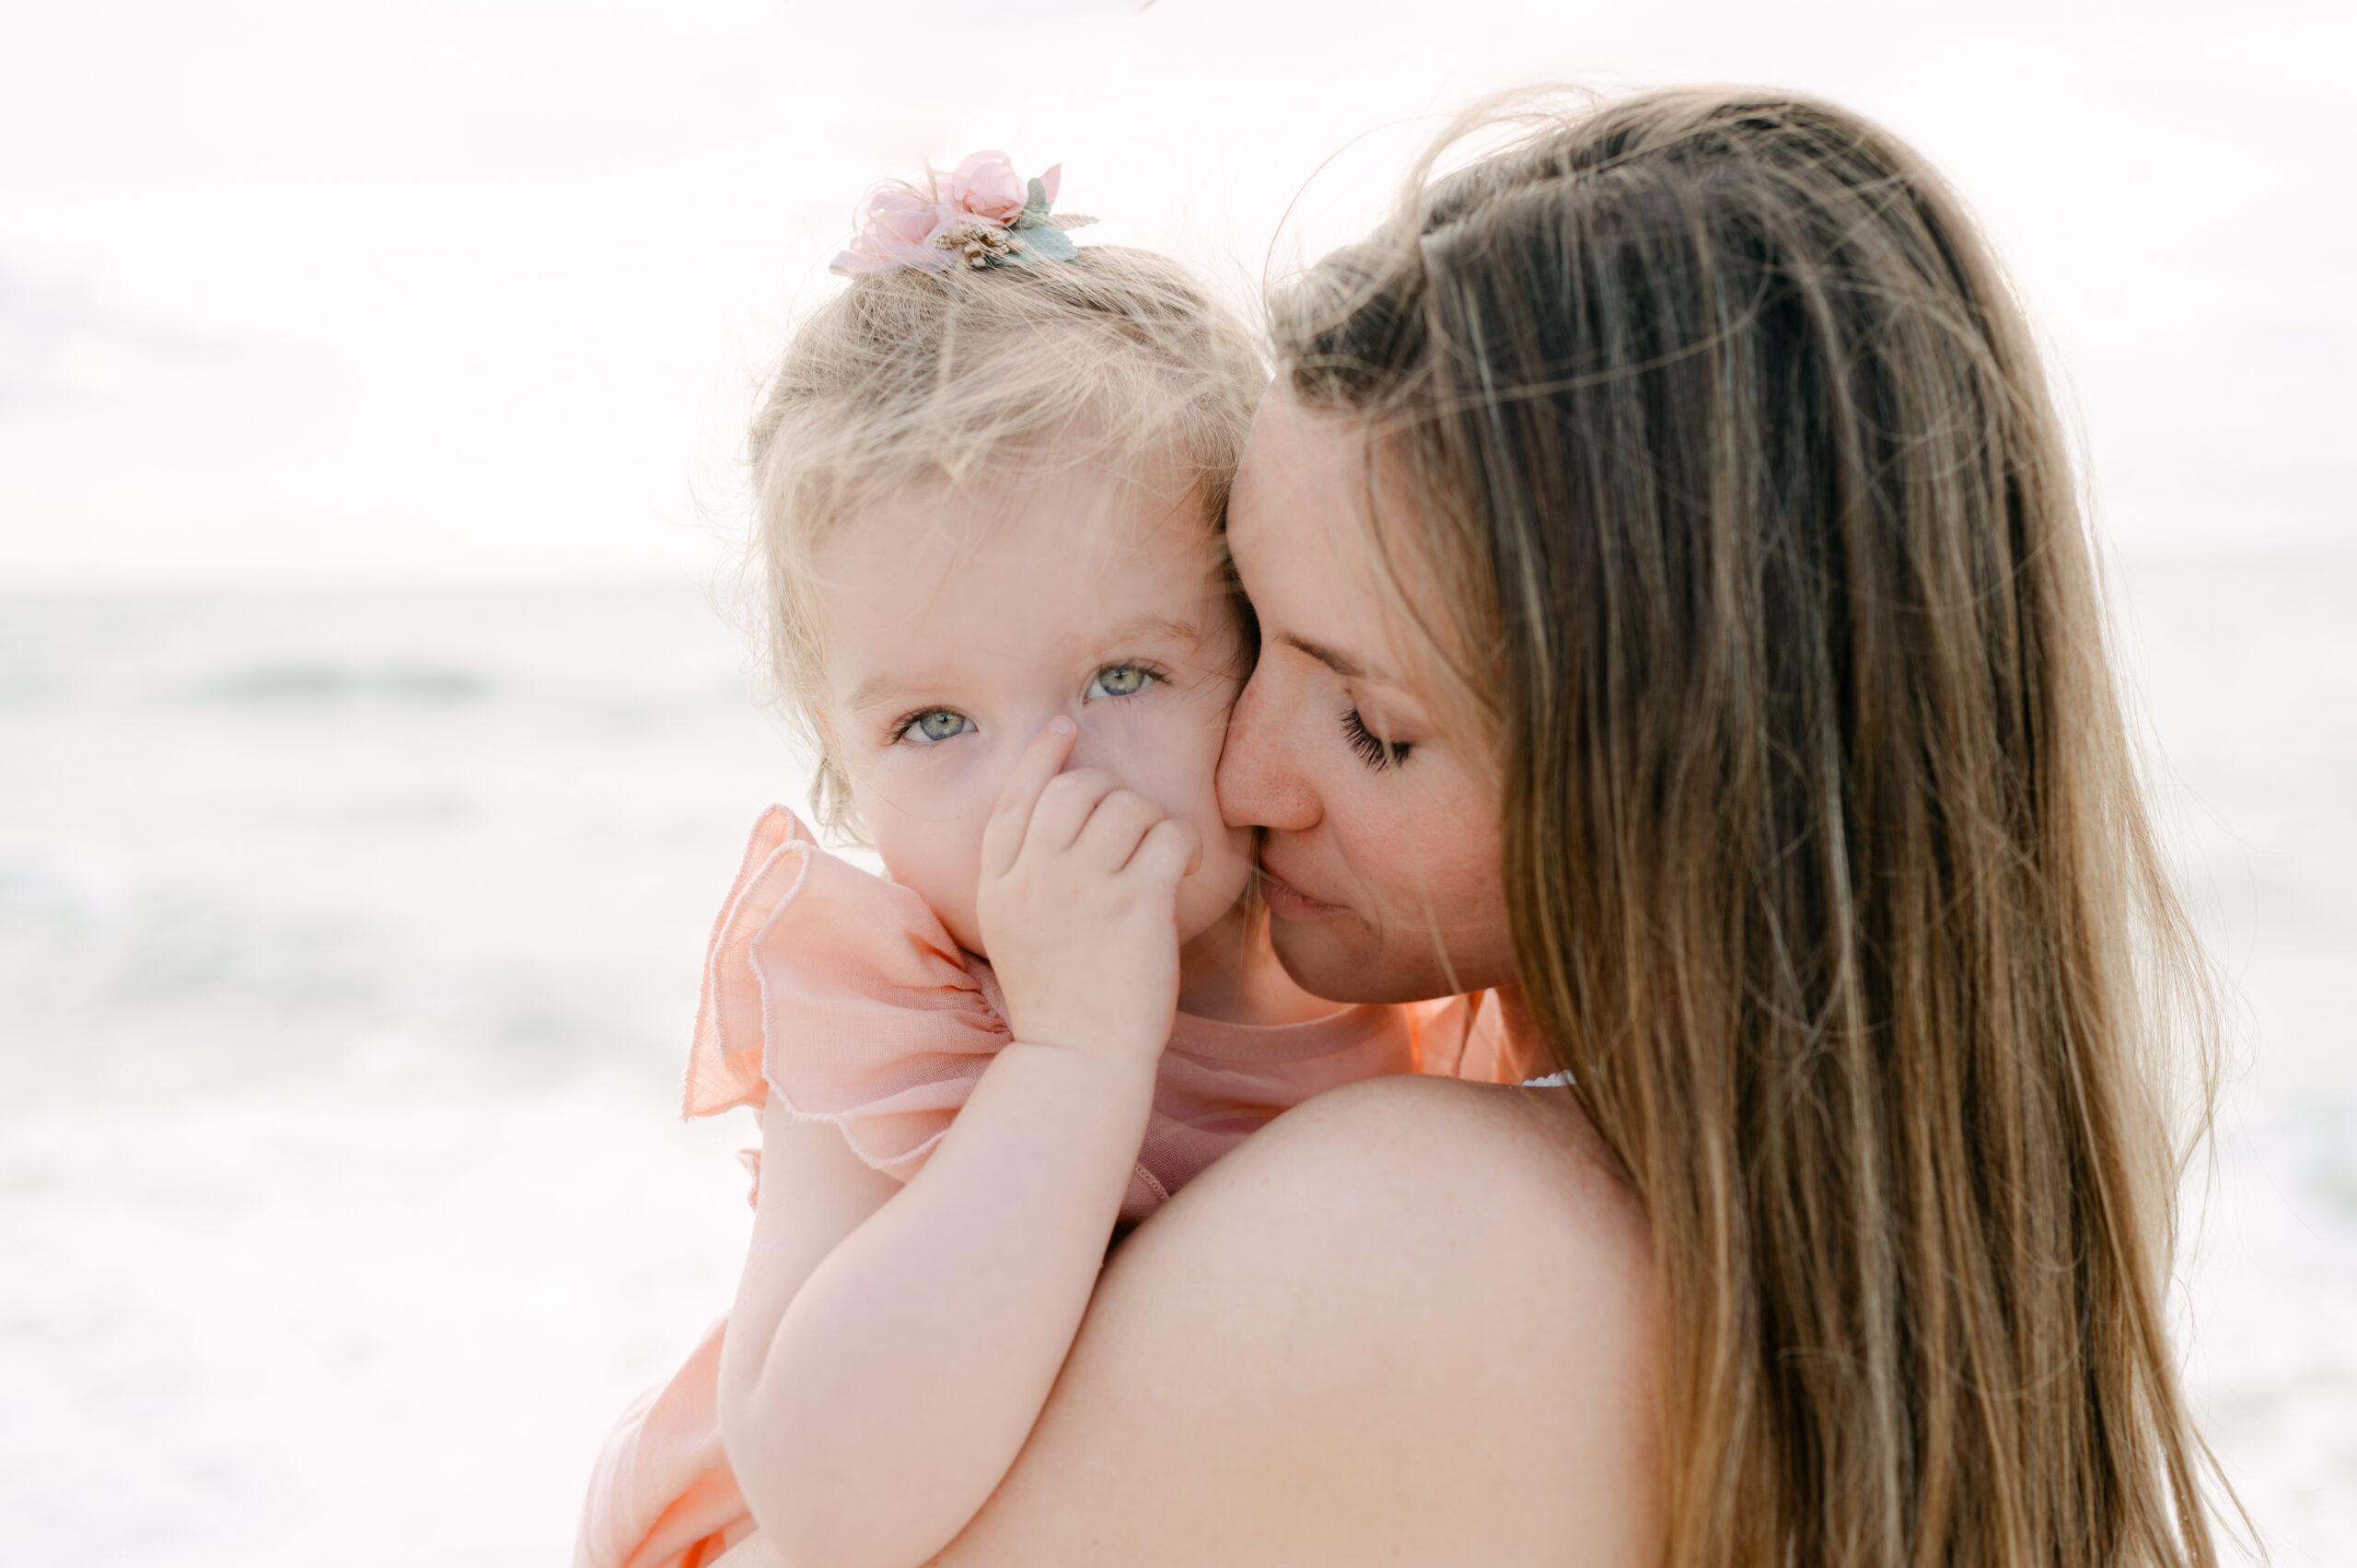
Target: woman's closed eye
(1373, 749)
(1121, 680)
(932, 726)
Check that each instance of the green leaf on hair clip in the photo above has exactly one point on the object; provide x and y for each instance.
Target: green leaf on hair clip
(1043, 244)
(1035, 210)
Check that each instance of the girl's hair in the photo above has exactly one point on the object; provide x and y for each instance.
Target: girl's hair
(1119, 361)
(1829, 875)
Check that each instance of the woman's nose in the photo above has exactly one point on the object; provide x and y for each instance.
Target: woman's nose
(1259, 784)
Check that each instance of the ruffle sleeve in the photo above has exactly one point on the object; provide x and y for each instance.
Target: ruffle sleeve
(837, 996)
(663, 1494)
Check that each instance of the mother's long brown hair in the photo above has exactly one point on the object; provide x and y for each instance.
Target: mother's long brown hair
(1830, 875)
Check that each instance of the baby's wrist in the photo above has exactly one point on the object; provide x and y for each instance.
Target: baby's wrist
(1095, 1088)
(1116, 1059)
(1091, 1026)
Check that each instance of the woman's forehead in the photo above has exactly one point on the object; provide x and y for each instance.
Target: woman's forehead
(1295, 449)
(1298, 528)
(1300, 471)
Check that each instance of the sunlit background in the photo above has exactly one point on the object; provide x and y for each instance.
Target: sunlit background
(372, 753)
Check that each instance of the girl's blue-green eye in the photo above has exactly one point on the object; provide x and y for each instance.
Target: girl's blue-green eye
(1121, 680)
(939, 723)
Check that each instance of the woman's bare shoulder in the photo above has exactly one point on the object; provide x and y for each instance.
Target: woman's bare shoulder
(1412, 1318)
(1516, 1144)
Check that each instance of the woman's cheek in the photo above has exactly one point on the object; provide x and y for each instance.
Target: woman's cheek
(1442, 824)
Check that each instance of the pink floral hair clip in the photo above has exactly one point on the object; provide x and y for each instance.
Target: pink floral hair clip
(984, 218)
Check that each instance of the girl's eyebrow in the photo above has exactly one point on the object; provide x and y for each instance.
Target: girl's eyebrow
(876, 688)
(1155, 626)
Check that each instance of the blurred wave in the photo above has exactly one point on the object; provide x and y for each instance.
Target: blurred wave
(319, 683)
(451, 833)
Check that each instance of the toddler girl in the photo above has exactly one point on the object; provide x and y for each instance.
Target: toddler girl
(990, 477)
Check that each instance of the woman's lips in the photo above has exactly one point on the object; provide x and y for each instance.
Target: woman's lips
(1289, 903)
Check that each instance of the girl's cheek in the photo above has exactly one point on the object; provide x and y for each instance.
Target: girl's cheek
(936, 856)
(920, 779)
(1171, 763)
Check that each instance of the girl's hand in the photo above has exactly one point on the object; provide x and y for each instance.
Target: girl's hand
(1078, 904)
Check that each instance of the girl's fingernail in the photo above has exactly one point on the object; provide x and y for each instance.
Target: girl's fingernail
(1061, 724)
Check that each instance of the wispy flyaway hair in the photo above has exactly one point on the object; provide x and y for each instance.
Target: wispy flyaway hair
(1117, 360)
(1830, 875)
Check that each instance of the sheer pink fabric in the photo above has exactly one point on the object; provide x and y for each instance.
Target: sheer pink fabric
(662, 1494)
(838, 997)
(832, 995)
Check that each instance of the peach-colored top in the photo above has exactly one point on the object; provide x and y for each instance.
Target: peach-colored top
(836, 996)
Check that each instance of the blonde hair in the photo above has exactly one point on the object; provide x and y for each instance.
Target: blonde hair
(1117, 360)
(1829, 874)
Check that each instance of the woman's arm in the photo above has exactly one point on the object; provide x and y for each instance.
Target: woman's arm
(1412, 1321)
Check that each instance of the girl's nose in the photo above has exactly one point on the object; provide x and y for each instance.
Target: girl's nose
(1101, 748)
(1090, 748)
(1259, 786)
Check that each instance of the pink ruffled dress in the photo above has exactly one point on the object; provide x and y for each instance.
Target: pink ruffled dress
(832, 995)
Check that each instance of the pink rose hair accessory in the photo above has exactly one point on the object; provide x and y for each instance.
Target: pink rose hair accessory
(981, 216)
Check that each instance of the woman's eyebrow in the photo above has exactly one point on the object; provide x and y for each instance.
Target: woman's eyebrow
(1346, 668)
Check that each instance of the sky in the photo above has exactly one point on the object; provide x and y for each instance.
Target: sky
(481, 290)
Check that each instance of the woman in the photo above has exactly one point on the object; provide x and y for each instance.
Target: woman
(1676, 619)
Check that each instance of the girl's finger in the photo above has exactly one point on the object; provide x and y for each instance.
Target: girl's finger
(1064, 808)
(1171, 849)
(1115, 828)
(1041, 761)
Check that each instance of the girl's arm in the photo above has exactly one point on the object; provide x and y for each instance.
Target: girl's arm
(881, 1375)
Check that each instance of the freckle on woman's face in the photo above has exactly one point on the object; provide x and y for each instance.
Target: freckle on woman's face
(1379, 832)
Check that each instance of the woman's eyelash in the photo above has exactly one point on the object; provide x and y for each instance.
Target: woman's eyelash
(1373, 749)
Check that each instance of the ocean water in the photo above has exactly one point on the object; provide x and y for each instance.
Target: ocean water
(348, 947)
